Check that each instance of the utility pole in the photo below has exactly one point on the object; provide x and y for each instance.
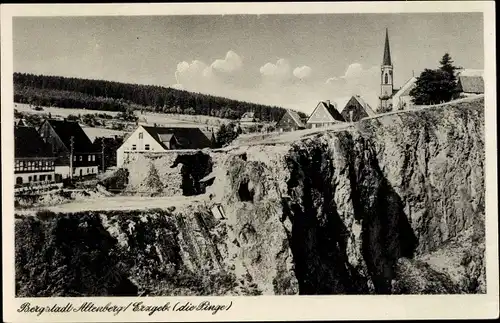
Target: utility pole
(71, 140)
(102, 155)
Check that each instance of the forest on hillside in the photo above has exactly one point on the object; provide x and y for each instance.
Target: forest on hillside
(77, 93)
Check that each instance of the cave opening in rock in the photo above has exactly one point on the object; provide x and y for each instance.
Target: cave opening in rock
(194, 168)
(244, 192)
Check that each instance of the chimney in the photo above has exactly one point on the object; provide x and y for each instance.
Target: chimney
(327, 102)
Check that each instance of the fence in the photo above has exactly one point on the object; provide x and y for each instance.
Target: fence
(36, 188)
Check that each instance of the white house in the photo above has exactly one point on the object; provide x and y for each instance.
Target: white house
(324, 114)
(401, 99)
(151, 138)
(248, 119)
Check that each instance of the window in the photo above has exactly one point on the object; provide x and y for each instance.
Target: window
(88, 170)
(34, 178)
(386, 78)
(140, 135)
(81, 158)
(19, 180)
(74, 158)
(29, 178)
(90, 157)
(49, 177)
(134, 147)
(147, 147)
(42, 178)
(93, 157)
(21, 164)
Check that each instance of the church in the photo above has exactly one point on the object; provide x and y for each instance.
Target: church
(396, 99)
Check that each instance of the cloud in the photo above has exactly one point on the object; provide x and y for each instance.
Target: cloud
(231, 63)
(302, 72)
(356, 80)
(279, 72)
(280, 84)
(188, 74)
(200, 77)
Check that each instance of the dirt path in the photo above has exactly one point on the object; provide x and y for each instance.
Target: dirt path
(119, 203)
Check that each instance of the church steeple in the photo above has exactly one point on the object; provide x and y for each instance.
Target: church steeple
(387, 50)
(386, 75)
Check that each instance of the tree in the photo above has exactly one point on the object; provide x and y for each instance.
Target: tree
(436, 86)
(127, 115)
(448, 67)
(226, 134)
(384, 109)
(153, 181)
(89, 119)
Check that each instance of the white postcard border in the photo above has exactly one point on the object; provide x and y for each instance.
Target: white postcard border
(244, 308)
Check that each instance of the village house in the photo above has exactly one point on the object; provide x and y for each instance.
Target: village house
(290, 121)
(402, 99)
(325, 114)
(248, 119)
(74, 150)
(355, 109)
(161, 139)
(470, 82)
(34, 162)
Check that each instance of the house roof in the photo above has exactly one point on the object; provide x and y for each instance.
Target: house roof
(471, 84)
(406, 88)
(295, 116)
(342, 103)
(248, 116)
(331, 110)
(188, 138)
(23, 122)
(365, 106)
(66, 129)
(28, 143)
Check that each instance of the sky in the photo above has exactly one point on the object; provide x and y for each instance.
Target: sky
(292, 61)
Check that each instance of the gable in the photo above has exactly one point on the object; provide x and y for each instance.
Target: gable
(321, 114)
(49, 136)
(140, 143)
(406, 88)
(70, 130)
(353, 110)
(289, 120)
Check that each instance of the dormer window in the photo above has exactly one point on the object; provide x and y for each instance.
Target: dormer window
(140, 135)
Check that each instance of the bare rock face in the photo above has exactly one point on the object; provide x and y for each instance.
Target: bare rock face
(393, 205)
(358, 203)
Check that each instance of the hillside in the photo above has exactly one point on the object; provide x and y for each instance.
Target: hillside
(390, 205)
(76, 93)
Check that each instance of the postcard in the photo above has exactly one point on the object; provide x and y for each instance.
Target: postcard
(248, 162)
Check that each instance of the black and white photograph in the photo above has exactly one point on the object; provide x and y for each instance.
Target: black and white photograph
(247, 154)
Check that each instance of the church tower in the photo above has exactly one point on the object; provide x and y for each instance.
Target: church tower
(386, 76)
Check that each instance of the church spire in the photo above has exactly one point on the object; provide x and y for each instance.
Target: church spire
(387, 50)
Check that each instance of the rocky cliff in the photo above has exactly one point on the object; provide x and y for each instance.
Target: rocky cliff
(391, 204)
